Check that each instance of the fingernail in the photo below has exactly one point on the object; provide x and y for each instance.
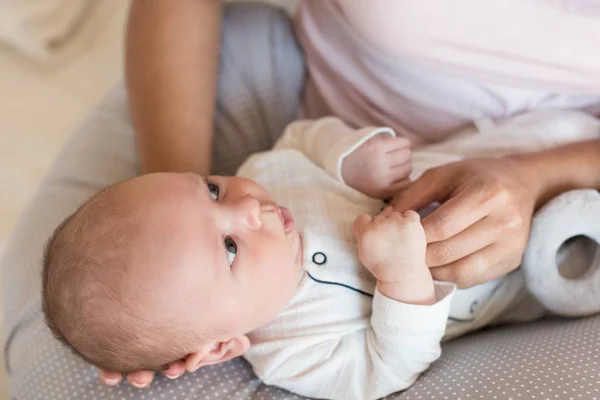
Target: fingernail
(268, 207)
(172, 376)
(139, 385)
(111, 382)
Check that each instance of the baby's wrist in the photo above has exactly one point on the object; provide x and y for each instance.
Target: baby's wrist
(417, 288)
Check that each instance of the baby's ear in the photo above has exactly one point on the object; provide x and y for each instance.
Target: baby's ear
(216, 352)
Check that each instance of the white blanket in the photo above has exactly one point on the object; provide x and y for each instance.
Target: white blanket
(528, 132)
(39, 28)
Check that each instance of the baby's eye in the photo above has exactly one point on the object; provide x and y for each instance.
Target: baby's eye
(213, 190)
(231, 248)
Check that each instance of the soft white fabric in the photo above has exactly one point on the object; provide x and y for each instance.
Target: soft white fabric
(533, 131)
(38, 28)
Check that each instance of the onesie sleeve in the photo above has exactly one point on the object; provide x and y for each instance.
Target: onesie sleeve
(342, 362)
(327, 141)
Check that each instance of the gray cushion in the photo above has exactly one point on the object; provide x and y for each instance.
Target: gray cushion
(549, 359)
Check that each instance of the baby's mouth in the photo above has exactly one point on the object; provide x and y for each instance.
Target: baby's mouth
(285, 216)
(286, 219)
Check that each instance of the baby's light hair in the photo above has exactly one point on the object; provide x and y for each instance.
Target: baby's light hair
(88, 303)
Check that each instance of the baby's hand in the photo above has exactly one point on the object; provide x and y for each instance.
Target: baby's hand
(379, 167)
(392, 247)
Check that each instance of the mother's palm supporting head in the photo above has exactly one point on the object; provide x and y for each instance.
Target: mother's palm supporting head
(170, 266)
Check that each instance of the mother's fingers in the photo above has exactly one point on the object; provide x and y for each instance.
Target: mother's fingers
(431, 186)
(140, 379)
(110, 378)
(476, 237)
(175, 370)
(482, 266)
(394, 188)
(455, 215)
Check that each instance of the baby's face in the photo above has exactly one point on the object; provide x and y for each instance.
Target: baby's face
(219, 250)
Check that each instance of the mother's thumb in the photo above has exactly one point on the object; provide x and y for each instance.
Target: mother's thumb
(360, 223)
(420, 193)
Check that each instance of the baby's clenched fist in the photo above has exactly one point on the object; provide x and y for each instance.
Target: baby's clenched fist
(391, 245)
(379, 167)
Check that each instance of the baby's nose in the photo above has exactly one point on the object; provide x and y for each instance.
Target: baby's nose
(250, 208)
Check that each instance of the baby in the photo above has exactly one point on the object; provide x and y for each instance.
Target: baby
(328, 299)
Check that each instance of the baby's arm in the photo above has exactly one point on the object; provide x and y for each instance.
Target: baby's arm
(371, 160)
(408, 319)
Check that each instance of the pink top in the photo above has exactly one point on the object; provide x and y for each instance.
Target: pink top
(428, 67)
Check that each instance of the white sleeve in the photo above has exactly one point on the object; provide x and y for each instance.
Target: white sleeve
(327, 141)
(369, 363)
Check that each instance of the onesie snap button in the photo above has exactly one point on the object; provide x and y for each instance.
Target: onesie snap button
(473, 307)
(319, 258)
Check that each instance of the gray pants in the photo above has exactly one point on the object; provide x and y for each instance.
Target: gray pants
(260, 84)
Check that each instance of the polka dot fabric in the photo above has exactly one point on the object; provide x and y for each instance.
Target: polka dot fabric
(554, 359)
(52, 372)
(550, 359)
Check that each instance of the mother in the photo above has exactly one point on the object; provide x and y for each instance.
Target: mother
(425, 68)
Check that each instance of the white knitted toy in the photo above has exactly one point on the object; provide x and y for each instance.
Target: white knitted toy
(562, 259)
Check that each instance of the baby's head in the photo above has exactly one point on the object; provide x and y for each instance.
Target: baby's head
(169, 266)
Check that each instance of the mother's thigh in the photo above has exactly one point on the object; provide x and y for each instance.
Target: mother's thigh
(261, 79)
(259, 90)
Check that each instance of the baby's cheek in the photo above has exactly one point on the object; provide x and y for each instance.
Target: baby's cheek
(280, 279)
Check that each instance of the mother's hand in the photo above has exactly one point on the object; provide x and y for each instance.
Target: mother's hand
(141, 379)
(480, 231)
